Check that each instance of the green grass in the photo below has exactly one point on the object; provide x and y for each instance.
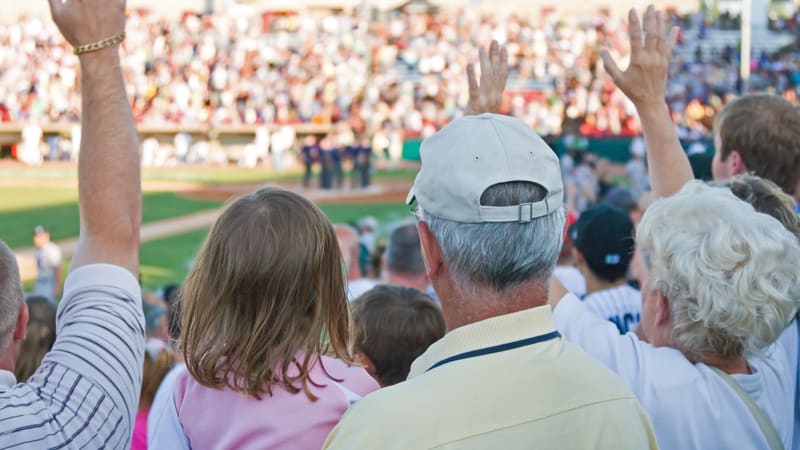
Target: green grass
(23, 208)
(386, 213)
(207, 175)
(168, 260)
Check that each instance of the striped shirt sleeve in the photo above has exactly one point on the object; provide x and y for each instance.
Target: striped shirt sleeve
(86, 393)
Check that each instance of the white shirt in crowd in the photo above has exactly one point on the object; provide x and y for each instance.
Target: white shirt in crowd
(690, 406)
(622, 305)
(357, 287)
(163, 415)
(86, 392)
(48, 261)
(572, 279)
(790, 340)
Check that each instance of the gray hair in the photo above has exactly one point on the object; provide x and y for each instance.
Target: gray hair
(500, 256)
(729, 273)
(11, 295)
(403, 251)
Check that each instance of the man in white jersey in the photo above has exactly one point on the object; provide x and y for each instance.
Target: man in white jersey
(603, 237)
(85, 394)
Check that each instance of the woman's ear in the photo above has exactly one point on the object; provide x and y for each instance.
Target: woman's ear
(663, 313)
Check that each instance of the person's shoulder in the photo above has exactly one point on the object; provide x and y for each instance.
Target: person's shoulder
(597, 379)
(372, 409)
(354, 378)
(364, 425)
(101, 277)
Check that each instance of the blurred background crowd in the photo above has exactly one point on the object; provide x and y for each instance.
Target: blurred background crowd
(399, 76)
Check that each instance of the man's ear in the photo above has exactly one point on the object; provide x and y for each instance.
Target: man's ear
(22, 323)
(431, 253)
(737, 165)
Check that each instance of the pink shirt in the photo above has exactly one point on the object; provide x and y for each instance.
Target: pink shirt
(225, 419)
(139, 441)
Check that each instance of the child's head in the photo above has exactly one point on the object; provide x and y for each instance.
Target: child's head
(158, 360)
(267, 287)
(767, 198)
(394, 326)
(39, 338)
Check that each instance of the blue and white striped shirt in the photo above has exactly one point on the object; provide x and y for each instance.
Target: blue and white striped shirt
(86, 392)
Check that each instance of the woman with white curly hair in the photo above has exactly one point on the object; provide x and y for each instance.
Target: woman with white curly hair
(720, 283)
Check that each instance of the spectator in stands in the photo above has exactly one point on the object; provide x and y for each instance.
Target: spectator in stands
(172, 297)
(268, 285)
(403, 259)
(100, 337)
(48, 264)
(603, 237)
(368, 233)
(156, 326)
(491, 219)
(719, 286)
(624, 199)
(565, 270)
(766, 197)
(162, 402)
(759, 135)
(394, 325)
(39, 338)
(158, 361)
(349, 245)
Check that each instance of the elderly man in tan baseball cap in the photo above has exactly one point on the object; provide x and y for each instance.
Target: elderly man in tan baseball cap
(489, 198)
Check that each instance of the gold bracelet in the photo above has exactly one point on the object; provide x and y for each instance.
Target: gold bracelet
(99, 44)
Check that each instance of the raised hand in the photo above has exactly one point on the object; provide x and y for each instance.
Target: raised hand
(487, 96)
(87, 21)
(645, 83)
(645, 79)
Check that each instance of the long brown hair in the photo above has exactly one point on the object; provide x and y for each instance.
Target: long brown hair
(267, 287)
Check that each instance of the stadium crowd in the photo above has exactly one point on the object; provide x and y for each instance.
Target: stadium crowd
(396, 78)
(499, 318)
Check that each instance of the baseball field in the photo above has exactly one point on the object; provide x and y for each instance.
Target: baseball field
(179, 206)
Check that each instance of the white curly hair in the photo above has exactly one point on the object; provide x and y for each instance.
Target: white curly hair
(729, 274)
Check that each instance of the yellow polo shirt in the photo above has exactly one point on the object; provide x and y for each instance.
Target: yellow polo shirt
(498, 394)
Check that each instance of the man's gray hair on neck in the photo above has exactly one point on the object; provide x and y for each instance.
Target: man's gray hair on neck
(500, 256)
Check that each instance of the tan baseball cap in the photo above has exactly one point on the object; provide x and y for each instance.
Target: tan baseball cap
(474, 153)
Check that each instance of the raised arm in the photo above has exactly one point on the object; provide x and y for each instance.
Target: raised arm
(108, 170)
(645, 82)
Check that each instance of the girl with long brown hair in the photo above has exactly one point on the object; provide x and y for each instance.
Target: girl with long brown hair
(263, 307)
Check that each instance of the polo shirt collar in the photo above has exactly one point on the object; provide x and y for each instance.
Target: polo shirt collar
(486, 333)
(7, 379)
